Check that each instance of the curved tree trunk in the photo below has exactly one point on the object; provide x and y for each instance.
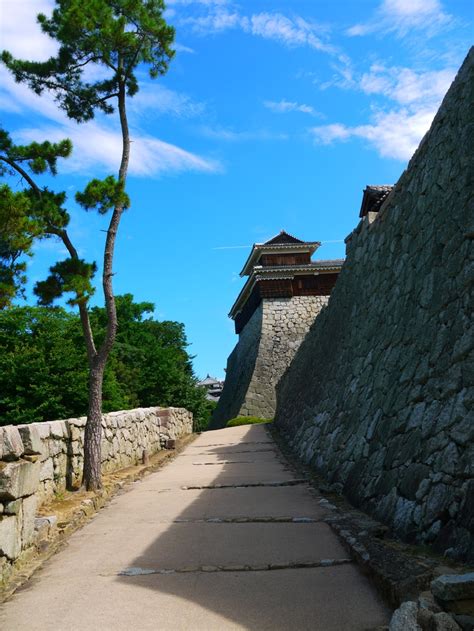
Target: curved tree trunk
(92, 478)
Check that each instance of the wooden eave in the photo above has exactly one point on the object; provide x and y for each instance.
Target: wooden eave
(261, 248)
(281, 272)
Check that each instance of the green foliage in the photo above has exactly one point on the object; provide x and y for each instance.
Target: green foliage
(43, 364)
(39, 157)
(43, 367)
(68, 276)
(203, 415)
(103, 195)
(150, 359)
(29, 214)
(115, 34)
(17, 231)
(247, 420)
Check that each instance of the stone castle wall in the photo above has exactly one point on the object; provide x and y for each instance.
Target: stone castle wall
(379, 397)
(266, 346)
(41, 459)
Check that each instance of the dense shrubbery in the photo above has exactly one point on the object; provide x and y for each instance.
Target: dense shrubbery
(247, 420)
(43, 364)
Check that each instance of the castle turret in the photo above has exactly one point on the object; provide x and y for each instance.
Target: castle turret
(284, 292)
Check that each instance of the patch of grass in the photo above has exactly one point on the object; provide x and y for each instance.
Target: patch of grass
(247, 420)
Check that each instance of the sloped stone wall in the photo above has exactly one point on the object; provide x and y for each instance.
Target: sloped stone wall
(265, 349)
(41, 459)
(379, 397)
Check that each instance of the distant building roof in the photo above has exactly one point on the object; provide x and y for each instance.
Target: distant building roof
(209, 381)
(373, 198)
(282, 238)
(213, 386)
(281, 242)
(281, 271)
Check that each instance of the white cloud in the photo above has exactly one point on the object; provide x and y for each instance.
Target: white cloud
(97, 143)
(96, 147)
(216, 21)
(408, 103)
(230, 135)
(327, 134)
(403, 16)
(20, 33)
(161, 100)
(296, 32)
(405, 85)
(291, 32)
(282, 107)
(181, 48)
(394, 134)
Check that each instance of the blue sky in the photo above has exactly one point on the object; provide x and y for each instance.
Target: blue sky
(274, 115)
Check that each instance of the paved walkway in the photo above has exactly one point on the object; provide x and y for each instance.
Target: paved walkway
(249, 554)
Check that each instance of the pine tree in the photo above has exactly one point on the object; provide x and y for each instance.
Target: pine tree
(119, 36)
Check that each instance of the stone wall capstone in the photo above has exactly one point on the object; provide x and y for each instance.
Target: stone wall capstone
(40, 460)
(266, 346)
(379, 397)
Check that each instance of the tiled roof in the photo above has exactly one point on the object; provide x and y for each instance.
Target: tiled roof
(328, 263)
(283, 237)
(374, 197)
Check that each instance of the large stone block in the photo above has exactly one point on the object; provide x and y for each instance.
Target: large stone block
(31, 439)
(396, 337)
(18, 479)
(29, 507)
(10, 536)
(11, 445)
(454, 587)
(47, 470)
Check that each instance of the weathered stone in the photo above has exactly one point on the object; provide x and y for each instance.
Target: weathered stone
(412, 478)
(444, 622)
(47, 470)
(10, 536)
(44, 430)
(11, 445)
(453, 586)
(396, 337)
(31, 439)
(14, 507)
(405, 618)
(465, 622)
(28, 523)
(266, 346)
(18, 479)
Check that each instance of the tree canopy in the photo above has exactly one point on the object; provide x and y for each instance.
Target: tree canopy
(116, 36)
(43, 367)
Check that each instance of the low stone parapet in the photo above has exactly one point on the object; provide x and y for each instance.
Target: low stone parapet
(39, 460)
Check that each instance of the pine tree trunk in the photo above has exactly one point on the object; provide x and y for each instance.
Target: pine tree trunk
(93, 433)
(92, 479)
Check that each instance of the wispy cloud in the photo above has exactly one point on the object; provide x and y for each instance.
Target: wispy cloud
(231, 135)
(157, 99)
(283, 107)
(96, 147)
(408, 103)
(98, 143)
(405, 85)
(291, 32)
(402, 16)
(181, 48)
(394, 134)
(20, 33)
